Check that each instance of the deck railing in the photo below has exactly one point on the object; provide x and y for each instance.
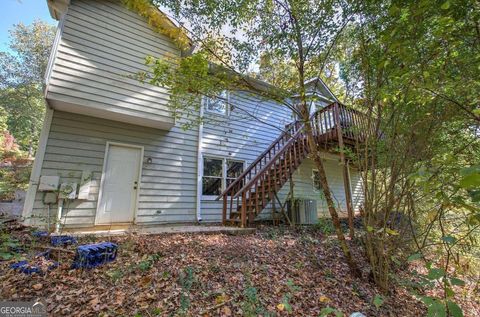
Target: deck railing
(255, 187)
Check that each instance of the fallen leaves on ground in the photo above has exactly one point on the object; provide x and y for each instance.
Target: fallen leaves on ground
(274, 272)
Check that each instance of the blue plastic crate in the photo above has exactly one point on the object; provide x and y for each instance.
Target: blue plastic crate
(92, 255)
(40, 234)
(62, 240)
(26, 268)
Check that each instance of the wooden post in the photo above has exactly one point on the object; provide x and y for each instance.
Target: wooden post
(244, 209)
(292, 198)
(274, 208)
(224, 211)
(346, 180)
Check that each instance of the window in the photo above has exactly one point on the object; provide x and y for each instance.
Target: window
(316, 181)
(234, 169)
(218, 173)
(212, 176)
(218, 104)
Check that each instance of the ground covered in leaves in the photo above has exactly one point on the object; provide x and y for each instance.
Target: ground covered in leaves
(274, 272)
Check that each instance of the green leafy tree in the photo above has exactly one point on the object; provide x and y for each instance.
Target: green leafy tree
(234, 35)
(416, 68)
(22, 69)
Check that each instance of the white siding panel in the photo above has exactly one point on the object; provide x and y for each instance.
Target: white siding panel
(252, 126)
(304, 189)
(168, 185)
(102, 46)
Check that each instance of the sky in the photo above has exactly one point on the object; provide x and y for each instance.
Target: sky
(16, 11)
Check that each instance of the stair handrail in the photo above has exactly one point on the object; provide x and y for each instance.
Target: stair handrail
(335, 107)
(291, 127)
(269, 163)
(254, 179)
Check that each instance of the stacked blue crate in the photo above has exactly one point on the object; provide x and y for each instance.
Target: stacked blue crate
(26, 268)
(62, 240)
(92, 255)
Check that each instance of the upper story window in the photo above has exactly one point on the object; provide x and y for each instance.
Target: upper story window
(218, 104)
(219, 173)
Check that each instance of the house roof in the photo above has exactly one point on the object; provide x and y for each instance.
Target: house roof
(57, 8)
(318, 87)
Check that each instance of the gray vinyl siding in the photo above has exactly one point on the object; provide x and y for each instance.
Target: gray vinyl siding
(168, 185)
(103, 43)
(304, 189)
(241, 137)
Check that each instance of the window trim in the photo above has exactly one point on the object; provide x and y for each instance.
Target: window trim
(224, 173)
(227, 106)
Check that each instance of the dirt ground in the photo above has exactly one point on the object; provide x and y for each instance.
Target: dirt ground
(274, 272)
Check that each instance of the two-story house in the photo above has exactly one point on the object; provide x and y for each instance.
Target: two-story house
(111, 153)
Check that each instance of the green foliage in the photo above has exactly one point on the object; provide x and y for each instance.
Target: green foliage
(22, 70)
(251, 304)
(148, 261)
(115, 275)
(329, 311)
(186, 281)
(378, 301)
(159, 21)
(8, 247)
(325, 226)
(287, 297)
(406, 65)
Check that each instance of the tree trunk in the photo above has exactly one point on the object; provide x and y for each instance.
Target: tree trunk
(328, 197)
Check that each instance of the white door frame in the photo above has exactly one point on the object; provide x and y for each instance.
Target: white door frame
(102, 180)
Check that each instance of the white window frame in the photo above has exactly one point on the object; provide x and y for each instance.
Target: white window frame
(224, 173)
(206, 101)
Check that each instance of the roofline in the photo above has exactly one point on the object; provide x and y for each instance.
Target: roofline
(57, 8)
(256, 83)
(311, 80)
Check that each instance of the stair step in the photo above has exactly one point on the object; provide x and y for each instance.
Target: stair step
(239, 209)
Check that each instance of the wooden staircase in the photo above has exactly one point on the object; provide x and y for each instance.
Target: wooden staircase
(334, 125)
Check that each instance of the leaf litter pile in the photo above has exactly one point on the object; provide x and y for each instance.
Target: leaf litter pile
(274, 272)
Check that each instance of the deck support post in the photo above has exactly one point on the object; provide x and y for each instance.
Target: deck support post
(224, 211)
(244, 210)
(346, 179)
(292, 198)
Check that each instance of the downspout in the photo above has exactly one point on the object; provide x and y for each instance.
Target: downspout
(199, 167)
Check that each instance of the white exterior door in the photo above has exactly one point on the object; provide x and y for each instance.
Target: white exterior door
(118, 196)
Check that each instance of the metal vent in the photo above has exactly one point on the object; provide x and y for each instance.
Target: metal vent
(304, 212)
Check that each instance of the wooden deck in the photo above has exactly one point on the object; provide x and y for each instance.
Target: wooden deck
(334, 128)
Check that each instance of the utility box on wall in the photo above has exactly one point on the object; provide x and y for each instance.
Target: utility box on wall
(48, 183)
(68, 191)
